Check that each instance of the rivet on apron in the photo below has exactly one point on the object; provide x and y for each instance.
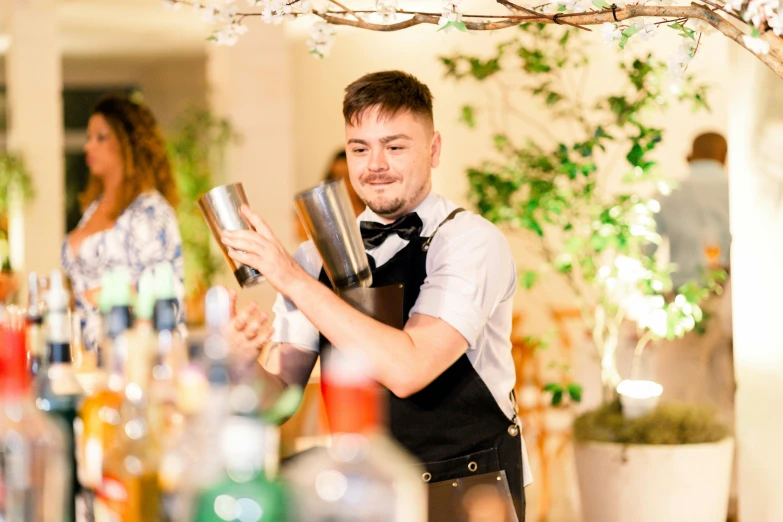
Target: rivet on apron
(426, 477)
(454, 484)
(472, 466)
(513, 430)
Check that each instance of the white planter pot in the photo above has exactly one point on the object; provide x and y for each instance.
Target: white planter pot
(646, 483)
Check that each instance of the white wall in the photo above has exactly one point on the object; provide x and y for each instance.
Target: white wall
(756, 222)
(169, 84)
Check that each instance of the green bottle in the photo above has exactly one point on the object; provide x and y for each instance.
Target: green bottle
(235, 479)
(246, 489)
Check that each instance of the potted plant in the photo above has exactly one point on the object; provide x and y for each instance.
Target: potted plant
(16, 188)
(196, 149)
(597, 241)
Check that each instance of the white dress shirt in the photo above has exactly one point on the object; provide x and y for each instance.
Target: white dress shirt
(694, 216)
(470, 284)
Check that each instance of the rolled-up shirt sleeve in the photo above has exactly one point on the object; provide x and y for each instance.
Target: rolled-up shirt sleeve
(290, 325)
(470, 270)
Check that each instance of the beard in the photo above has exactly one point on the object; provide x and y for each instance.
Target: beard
(391, 207)
(386, 207)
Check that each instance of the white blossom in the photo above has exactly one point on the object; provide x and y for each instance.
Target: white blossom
(638, 306)
(214, 15)
(733, 5)
(700, 26)
(756, 45)
(320, 6)
(776, 23)
(681, 59)
(321, 39)
(646, 29)
(450, 13)
(758, 11)
(305, 6)
(386, 10)
(610, 32)
(575, 6)
(229, 34)
(656, 321)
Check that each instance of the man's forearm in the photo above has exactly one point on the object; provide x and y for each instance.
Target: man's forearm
(273, 386)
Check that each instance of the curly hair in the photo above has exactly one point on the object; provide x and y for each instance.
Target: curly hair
(146, 165)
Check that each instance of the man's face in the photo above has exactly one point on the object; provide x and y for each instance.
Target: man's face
(390, 160)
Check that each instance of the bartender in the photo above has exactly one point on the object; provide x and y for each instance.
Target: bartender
(449, 370)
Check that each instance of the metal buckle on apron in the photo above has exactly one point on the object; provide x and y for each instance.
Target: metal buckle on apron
(513, 430)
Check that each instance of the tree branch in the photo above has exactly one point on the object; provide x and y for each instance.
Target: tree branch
(514, 8)
(774, 60)
(637, 353)
(700, 11)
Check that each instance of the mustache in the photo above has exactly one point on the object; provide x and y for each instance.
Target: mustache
(378, 178)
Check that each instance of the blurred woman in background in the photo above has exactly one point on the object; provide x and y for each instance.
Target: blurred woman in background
(129, 219)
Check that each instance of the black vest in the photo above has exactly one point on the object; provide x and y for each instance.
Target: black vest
(454, 415)
(454, 426)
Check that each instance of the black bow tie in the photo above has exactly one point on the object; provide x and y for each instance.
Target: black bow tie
(374, 234)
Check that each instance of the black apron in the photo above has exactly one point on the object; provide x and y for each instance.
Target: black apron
(454, 426)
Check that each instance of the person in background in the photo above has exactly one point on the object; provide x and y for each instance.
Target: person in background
(339, 171)
(129, 218)
(694, 218)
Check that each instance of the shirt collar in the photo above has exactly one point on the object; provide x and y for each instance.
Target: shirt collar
(426, 211)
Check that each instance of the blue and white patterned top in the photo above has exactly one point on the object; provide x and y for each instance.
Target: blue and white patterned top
(145, 234)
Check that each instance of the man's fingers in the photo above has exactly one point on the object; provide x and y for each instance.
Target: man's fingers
(252, 244)
(232, 296)
(251, 260)
(256, 222)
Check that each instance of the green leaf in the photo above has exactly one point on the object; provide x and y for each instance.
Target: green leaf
(468, 117)
(528, 279)
(481, 70)
(212, 38)
(635, 155)
(501, 142)
(552, 98)
(444, 26)
(557, 397)
(755, 33)
(601, 4)
(460, 26)
(575, 391)
(630, 31)
(530, 223)
(552, 387)
(534, 61)
(685, 32)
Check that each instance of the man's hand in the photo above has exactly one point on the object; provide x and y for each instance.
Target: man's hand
(247, 332)
(261, 250)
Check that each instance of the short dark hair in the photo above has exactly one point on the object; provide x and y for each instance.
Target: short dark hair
(391, 91)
